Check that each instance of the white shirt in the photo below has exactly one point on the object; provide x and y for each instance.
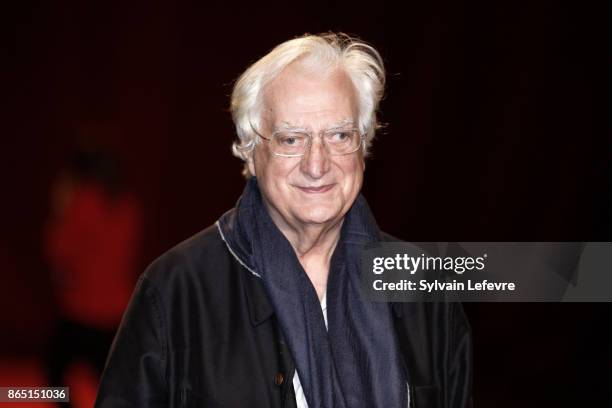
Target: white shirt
(300, 398)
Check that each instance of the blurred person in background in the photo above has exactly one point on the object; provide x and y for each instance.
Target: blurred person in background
(92, 241)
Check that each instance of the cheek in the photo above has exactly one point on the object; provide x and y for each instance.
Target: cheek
(264, 166)
(273, 173)
(353, 175)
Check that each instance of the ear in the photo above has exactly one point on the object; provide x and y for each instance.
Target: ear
(363, 160)
(250, 162)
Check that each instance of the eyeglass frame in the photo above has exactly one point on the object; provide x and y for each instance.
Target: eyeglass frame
(362, 137)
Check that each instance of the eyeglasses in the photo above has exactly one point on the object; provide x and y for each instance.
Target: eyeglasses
(295, 143)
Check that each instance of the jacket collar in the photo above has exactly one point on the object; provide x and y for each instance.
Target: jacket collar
(260, 308)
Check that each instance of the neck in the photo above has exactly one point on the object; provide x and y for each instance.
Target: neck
(314, 246)
(313, 241)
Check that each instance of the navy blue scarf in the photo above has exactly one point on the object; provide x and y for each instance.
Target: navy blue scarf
(355, 362)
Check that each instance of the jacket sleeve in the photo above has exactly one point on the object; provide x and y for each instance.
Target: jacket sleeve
(134, 375)
(459, 362)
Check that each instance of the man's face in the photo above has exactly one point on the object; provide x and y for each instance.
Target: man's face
(316, 188)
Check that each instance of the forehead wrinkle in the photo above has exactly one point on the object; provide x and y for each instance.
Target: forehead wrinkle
(288, 126)
(342, 123)
(285, 125)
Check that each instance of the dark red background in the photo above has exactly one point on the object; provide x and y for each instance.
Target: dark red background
(496, 112)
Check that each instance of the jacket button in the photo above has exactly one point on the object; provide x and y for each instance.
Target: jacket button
(279, 378)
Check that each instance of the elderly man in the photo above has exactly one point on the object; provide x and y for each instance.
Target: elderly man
(264, 309)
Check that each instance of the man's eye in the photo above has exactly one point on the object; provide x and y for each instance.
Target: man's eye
(338, 137)
(290, 140)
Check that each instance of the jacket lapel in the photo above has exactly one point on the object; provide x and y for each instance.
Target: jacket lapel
(260, 308)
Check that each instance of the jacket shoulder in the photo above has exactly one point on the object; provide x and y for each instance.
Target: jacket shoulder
(388, 237)
(201, 257)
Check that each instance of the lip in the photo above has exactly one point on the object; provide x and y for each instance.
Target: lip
(316, 190)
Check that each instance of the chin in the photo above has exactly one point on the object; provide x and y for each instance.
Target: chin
(317, 215)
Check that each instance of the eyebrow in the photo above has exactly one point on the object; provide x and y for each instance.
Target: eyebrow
(288, 126)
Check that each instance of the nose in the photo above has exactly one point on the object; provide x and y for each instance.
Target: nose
(315, 162)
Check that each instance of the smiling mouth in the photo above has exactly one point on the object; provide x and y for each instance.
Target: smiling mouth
(317, 190)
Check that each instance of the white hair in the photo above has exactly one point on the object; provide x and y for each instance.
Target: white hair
(327, 51)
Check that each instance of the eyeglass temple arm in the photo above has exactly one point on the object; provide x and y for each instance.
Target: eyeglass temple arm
(257, 133)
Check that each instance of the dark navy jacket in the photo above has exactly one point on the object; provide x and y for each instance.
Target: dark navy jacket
(200, 332)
